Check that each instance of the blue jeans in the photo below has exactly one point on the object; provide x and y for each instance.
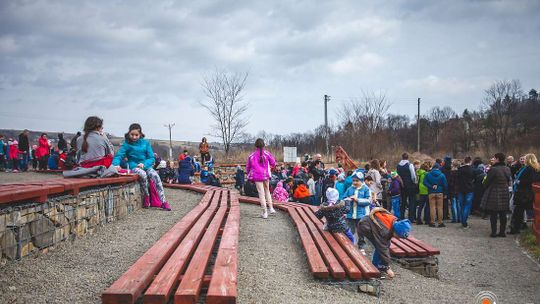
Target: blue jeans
(396, 202)
(349, 234)
(423, 206)
(465, 201)
(456, 210)
(23, 163)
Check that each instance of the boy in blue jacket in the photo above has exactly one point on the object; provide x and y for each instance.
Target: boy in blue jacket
(437, 186)
(359, 197)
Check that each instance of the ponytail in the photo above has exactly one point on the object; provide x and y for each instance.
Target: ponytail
(259, 144)
(261, 159)
(85, 143)
(92, 123)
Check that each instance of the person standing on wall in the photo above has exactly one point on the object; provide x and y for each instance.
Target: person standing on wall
(24, 147)
(204, 149)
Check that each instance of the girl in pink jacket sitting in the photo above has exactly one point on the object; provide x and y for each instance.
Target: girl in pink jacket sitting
(280, 194)
(258, 170)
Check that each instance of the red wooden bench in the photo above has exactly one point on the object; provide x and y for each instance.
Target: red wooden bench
(39, 191)
(176, 265)
(329, 255)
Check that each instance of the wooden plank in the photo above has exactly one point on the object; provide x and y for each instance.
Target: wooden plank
(408, 250)
(191, 284)
(353, 272)
(396, 251)
(223, 286)
(432, 250)
(368, 270)
(132, 283)
(166, 280)
(328, 256)
(419, 250)
(315, 261)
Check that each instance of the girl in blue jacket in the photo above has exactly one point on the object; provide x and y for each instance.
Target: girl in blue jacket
(359, 197)
(140, 159)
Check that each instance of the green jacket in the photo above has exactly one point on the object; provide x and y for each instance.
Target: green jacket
(422, 189)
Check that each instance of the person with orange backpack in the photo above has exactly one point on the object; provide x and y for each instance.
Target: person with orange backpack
(379, 227)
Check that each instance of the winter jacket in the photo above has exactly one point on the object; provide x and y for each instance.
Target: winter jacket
(422, 189)
(185, 171)
(43, 148)
(436, 177)
(376, 186)
(358, 208)
(258, 165)
(406, 171)
(240, 178)
(340, 187)
(311, 186)
(524, 195)
(378, 233)
(62, 144)
(301, 192)
(203, 147)
(451, 178)
(465, 179)
(73, 142)
(14, 152)
(53, 161)
(204, 176)
(497, 195)
(280, 194)
(99, 146)
(24, 145)
(348, 182)
(2, 147)
(335, 219)
(137, 152)
(395, 187)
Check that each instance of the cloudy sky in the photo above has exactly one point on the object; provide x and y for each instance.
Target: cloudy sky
(126, 61)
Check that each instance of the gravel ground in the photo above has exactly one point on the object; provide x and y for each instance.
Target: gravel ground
(6, 178)
(78, 272)
(273, 268)
(272, 265)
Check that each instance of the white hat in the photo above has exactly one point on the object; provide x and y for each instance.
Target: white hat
(332, 195)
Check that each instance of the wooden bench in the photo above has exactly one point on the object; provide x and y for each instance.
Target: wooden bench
(40, 191)
(329, 255)
(178, 265)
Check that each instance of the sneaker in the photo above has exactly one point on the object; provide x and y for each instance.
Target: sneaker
(272, 211)
(432, 225)
(502, 234)
(442, 225)
(363, 251)
(264, 215)
(466, 227)
(166, 206)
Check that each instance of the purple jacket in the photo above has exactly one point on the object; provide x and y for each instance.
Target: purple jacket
(258, 171)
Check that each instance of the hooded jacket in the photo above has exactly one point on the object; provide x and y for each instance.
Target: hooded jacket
(406, 171)
(185, 171)
(43, 148)
(360, 208)
(436, 177)
(258, 165)
(301, 192)
(137, 152)
(280, 194)
(422, 189)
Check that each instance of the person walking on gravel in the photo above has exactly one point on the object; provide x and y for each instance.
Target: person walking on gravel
(496, 199)
(258, 168)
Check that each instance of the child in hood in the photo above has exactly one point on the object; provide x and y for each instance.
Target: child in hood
(359, 197)
(14, 155)
(379, 227)
(334, 213)
(240, 178)
(301, 193)
(205, 175)
(395, 193)
(280, 194)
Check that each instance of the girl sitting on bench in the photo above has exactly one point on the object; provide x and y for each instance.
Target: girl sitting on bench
(140, 159)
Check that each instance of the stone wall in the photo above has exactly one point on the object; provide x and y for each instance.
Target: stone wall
(32, 227)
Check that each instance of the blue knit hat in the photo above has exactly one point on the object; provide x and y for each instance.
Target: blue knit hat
(402, 228)
(359, 176)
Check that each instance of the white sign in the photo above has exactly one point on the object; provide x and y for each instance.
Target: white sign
(289, 154)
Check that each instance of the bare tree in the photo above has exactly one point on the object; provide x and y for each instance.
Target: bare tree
(225, 104)
(501, 102)
(438, 117)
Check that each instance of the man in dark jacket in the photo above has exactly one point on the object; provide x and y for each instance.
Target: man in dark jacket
(24, 147)
(446, 169)
(437, 186)
(73, 142)
(465, 190)
(407, 173)
(62, 143)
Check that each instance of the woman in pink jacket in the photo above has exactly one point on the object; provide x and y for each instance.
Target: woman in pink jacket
(258, 170)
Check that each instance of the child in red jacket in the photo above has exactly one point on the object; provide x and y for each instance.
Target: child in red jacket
(14, 156)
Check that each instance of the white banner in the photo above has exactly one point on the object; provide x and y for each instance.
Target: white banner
(289, 154)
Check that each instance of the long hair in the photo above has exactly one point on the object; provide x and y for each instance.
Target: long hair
(374, 164)
(532, 161)
(92, 123)
(259, 144)
(134, 126)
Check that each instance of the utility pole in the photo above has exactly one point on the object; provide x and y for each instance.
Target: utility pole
(326, 100)
(418, 127)
(170, 126)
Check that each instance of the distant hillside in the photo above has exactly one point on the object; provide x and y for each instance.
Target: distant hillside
(160, 146)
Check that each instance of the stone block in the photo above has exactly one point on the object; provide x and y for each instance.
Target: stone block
(3, 223)
(81, 212)
(42, 231)
(8, 242)
(81, 227)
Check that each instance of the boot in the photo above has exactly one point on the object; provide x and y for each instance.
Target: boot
(166, 206)
(146, 202)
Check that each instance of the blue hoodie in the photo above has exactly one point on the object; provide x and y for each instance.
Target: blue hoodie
(136, 152)
(436, 177)
(361, 208)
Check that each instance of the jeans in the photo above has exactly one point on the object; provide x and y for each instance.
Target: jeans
(23, 163)
(349, 234)
(396, 202)
(423, 205)
(465, 202)
(352, 223)
(318, 193)
(456, 210)
(436, 207)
